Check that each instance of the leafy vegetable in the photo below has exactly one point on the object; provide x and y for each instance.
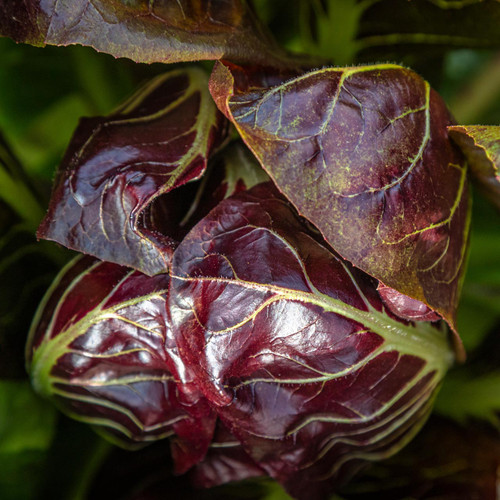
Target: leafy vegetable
(116, 166)
(296, 352)
(153, 31)
(98, 348)
(363, 153)
(273, 256)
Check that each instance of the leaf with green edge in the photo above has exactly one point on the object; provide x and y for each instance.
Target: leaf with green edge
(145, 31)
(481, 146)
(117, 165)
(97, 348)
(363, 153)
(293, 347)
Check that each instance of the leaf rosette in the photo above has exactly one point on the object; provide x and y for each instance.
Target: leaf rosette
(293, 347)
(298, 328)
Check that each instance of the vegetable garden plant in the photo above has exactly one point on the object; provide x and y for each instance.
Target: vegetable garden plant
(268, 243)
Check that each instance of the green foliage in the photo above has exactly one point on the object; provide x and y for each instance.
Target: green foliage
(27, 425)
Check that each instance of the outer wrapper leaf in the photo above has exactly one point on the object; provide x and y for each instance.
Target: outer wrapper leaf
(363, 153)
(117, 165)
(481, 146)
(293, 347)
(146, 31)
(98, 349)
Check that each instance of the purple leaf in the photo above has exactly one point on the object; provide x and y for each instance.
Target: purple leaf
(226, 461)
(481, 146)
(363, 153)
(98, 349)
(116, 166)
(145, 31)
(293, 347)
(404, 306)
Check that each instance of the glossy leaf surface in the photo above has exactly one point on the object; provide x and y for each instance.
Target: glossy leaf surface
(481, 146)
(98, 348)
(404, 306)
(117, 165)
(363, 153)
(293, 347)
(144, 31)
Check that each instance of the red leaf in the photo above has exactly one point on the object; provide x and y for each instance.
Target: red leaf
(117, 165)
(363, 153)
(293, 348)
(98, 348)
